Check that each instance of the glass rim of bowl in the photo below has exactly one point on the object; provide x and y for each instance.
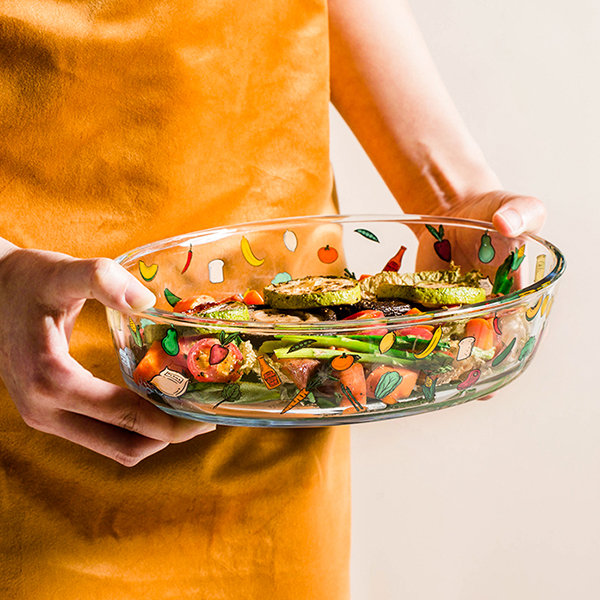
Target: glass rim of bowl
(503, 302)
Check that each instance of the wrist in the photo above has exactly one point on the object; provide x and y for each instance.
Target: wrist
(443, 180)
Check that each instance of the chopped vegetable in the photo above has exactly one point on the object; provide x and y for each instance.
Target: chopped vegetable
(483, 332)
(390, 384)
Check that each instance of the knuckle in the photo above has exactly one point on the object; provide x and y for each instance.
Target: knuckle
(128, 420)
(34, 418)
(100, 269)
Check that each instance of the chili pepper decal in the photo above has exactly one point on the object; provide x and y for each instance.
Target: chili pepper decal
(470, 380)
(188, 260)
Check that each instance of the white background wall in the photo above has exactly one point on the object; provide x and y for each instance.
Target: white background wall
(500, 499)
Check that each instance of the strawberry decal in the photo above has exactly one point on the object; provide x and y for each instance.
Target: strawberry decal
(218, 352)
(441, 246)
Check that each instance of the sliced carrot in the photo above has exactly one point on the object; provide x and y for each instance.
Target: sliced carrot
(402, 390)
(354, 380)
(483, 332)
(154, 361)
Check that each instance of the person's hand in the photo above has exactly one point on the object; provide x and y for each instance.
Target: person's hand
(511, 215)
(41, 294)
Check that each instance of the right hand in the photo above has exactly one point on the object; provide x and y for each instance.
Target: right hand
(41, 294)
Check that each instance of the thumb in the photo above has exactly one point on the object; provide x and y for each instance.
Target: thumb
(514, 215)
(103, 280)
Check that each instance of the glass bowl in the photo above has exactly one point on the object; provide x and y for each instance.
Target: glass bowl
(295, 368)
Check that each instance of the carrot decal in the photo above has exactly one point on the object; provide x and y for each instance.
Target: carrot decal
(301, 395)
(187, 261)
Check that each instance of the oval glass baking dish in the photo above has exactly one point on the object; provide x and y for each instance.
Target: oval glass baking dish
(368, 317)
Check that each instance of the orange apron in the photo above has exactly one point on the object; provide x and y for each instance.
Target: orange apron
(123, 122)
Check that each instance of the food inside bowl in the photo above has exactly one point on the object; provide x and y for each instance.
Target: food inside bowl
(376, 363)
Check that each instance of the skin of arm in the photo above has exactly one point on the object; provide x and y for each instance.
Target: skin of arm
(386, 87)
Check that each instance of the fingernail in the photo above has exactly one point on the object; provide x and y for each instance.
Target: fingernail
(139, 297)
(512, 219)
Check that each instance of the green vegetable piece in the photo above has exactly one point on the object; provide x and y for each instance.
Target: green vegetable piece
(368, 234)
(172, 299)
(387, 384)
(502, 282)
(169, 343)
(486, 250)
(312, 292)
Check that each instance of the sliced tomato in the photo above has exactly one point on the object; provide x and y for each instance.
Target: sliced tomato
(421, 331)
(192, 302)
(368, 314)
(253, 297)
(208, 360)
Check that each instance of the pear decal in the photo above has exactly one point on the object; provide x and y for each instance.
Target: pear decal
(486, 250)
(169, 343)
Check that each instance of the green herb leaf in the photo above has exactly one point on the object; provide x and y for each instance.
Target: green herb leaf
(387, 384)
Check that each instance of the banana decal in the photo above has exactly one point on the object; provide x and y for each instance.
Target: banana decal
(433, 342)
(532, 311)
(249, 255)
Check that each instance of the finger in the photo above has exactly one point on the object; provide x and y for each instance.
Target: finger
(112, 404)
(126, 447)
(104, 280)
(63, 384)
(519, 214)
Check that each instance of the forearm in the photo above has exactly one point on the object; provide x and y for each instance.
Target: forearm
(386, 87)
